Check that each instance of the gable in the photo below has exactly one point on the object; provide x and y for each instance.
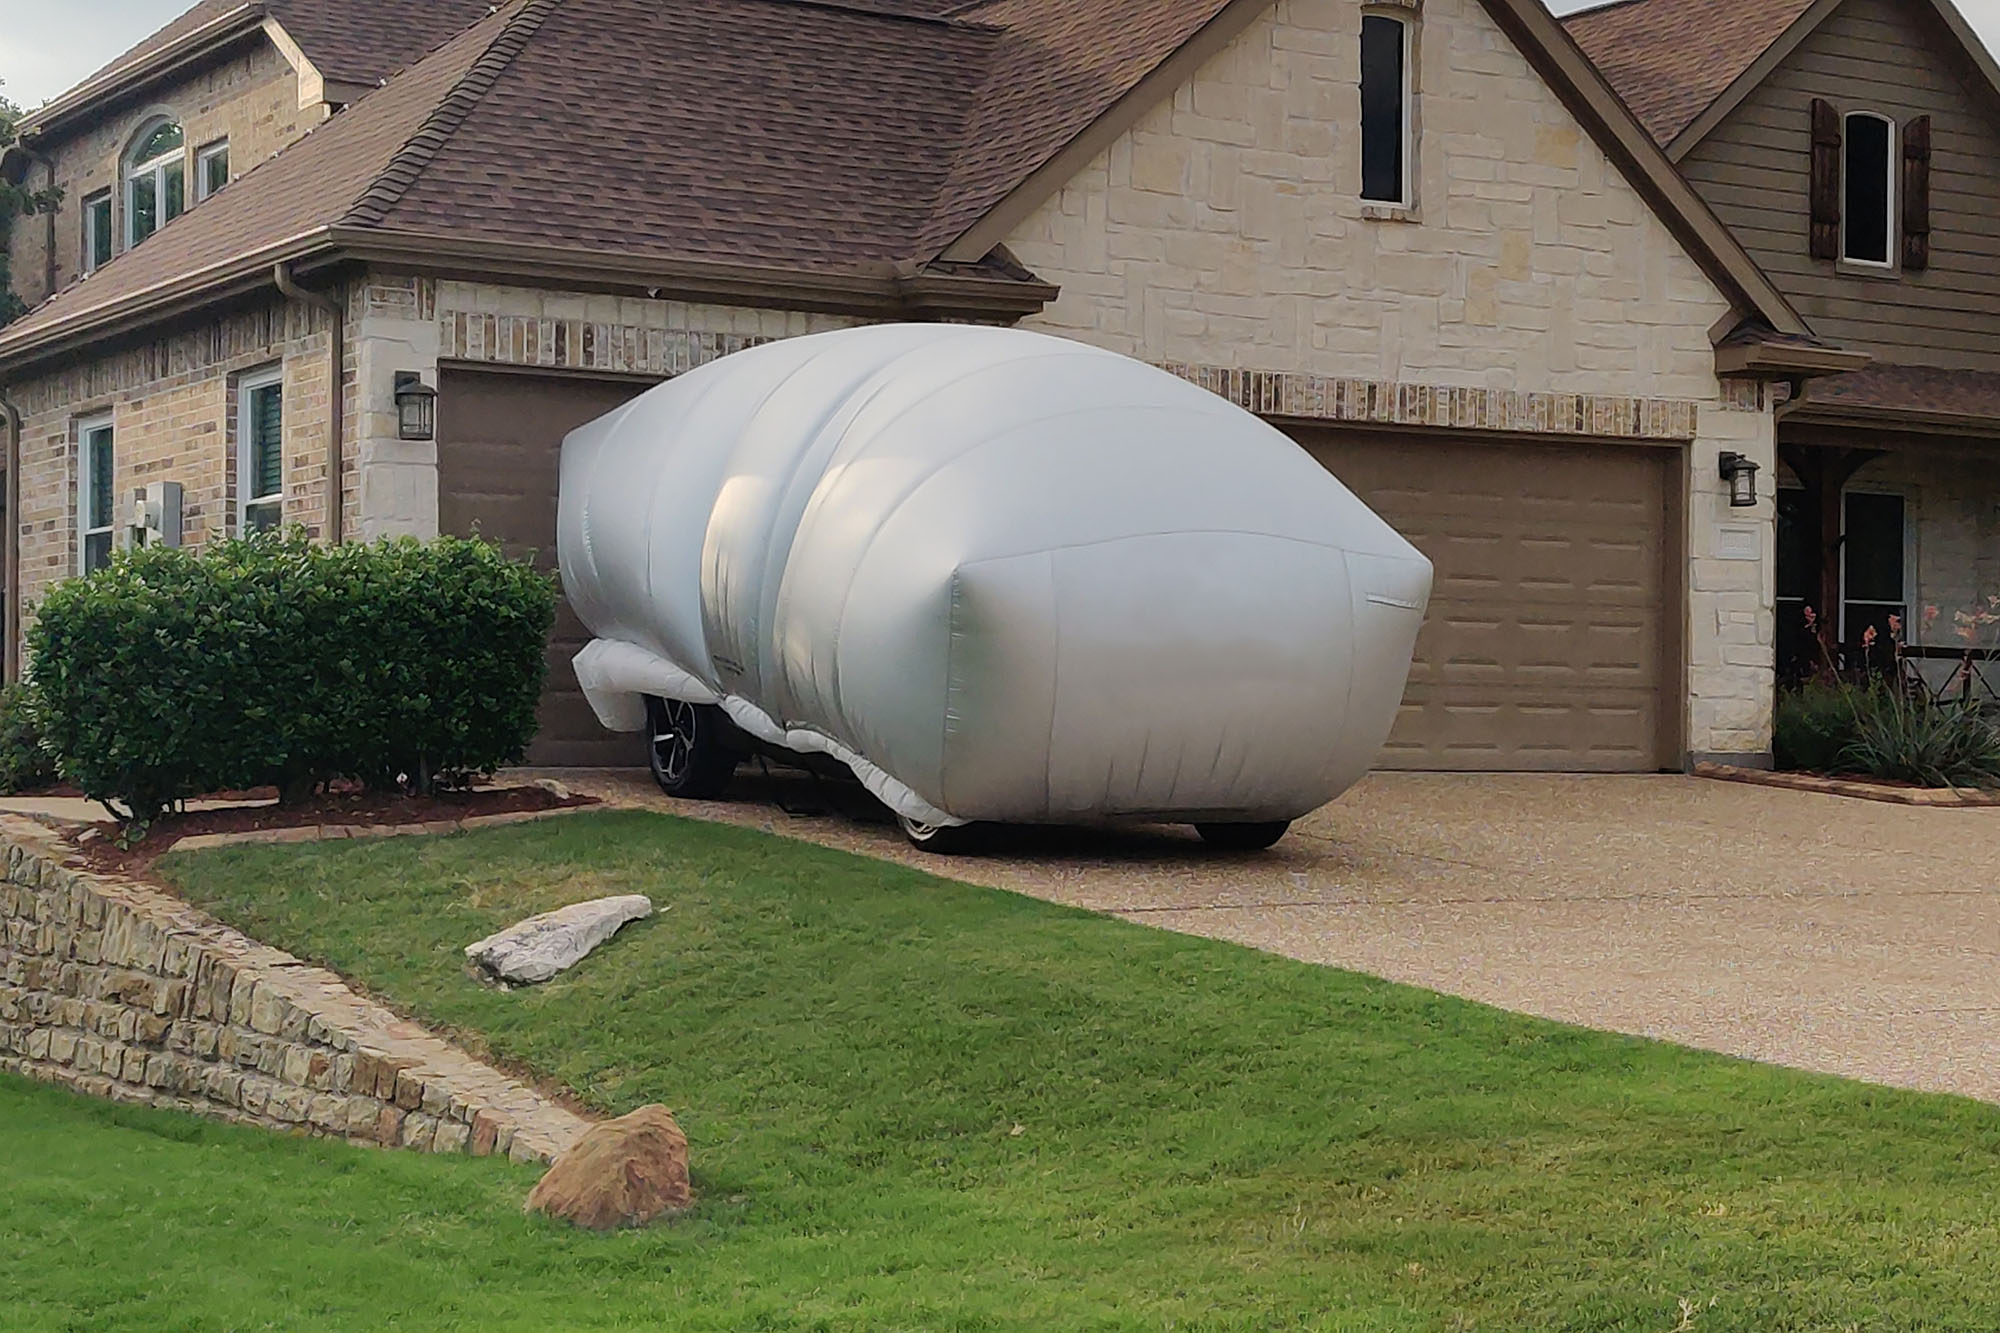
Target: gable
(1226, 228)
(1754, 168)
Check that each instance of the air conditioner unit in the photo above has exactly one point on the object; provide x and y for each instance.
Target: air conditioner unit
(156, 515)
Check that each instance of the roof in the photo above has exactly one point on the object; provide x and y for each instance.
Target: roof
(1683, 64)
(1909, 394)
(848, 147)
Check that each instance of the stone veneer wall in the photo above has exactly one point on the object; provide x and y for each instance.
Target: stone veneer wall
(115, 989)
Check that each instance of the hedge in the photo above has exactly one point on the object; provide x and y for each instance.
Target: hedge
(276, 661)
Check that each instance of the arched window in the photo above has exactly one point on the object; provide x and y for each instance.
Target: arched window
(155, 180)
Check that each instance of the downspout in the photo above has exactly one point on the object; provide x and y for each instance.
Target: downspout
(48, 234)
(11, 613)
(336, 414)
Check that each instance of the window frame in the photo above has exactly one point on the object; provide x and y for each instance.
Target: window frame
(86, 428)
(1886, 490)
(1891, 220)
(156, 168)
(203, 156)
(1407, 114)
(248, 385)
(92, 233)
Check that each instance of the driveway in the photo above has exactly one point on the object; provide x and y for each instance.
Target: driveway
(1806, 930)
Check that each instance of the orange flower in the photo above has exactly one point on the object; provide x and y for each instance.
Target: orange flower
(1868, 638)
(1812, 618)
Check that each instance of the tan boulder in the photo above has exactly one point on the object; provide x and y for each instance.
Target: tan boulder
(623, 1173)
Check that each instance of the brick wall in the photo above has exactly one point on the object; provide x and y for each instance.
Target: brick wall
(1226, 231)
(115, 989)
(250, 98)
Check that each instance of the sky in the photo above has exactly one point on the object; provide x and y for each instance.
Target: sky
(49, 45)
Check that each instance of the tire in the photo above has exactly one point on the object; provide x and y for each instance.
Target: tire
(685, 749)
(1243, 837)
(940, 839)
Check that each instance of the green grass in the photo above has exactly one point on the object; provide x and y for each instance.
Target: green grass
(918, 1105)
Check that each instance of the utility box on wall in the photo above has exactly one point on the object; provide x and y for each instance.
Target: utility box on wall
(156, 515)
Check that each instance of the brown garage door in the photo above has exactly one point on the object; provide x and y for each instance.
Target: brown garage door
(1549, 632)
(499, 442)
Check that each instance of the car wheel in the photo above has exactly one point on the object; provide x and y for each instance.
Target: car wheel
(1243, 837)
(941, 839)
(685, 749)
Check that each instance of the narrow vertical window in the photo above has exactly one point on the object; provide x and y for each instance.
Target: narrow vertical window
(211, 169)
(1868, 188)
(260, 470)
(1385, 109)
(95, 478)
(96, 231)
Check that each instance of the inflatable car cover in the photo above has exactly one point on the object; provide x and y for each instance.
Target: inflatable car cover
(1001, 575)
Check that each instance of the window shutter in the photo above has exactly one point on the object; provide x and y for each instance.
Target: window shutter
(1917, 194)
(1825, 180)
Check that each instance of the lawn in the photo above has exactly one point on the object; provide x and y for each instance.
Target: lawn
(919, 1105)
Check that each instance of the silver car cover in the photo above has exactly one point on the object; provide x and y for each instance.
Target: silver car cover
(1002, 576)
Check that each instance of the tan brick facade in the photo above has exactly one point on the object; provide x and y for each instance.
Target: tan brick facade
(251, 98)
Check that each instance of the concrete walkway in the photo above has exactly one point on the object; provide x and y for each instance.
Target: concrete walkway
(1807, 930)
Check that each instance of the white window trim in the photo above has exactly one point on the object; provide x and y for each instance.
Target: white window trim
(156, 168)
(246, 386)
(201, 159)
(1892, 230)
(90, 231)
(85, 428)
(1405, 204)
(1910, 582)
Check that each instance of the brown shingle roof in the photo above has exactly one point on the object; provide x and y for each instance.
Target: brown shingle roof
(1909, 391)
(1669, 59)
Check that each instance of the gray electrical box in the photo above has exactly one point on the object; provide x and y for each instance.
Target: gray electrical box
(156, 514)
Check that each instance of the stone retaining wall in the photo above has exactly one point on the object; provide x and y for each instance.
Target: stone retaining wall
(116, 989)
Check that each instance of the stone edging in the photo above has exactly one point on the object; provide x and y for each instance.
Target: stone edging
(335, 832)
(1959, 798)
(114, 988)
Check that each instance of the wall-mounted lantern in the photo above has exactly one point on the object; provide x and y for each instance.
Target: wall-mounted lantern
(1741, 474)
(416, 407)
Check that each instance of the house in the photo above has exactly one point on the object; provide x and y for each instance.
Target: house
(1853, 147)
(1424, 236)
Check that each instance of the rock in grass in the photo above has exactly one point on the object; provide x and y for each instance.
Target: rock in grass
(623, 1173)
(542, 946)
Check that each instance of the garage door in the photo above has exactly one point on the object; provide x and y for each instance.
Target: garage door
(1548, 637)
(499, 442)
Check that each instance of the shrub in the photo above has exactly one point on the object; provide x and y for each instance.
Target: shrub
(1813, 726)
(24, 764)
(1912, 740)
(277, 661)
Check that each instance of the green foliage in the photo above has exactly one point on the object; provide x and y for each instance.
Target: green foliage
(24, 764)
(274, 660)
(1840, 727)
(16, 201)
(1813, 725)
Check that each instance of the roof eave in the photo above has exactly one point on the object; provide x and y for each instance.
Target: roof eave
(79, 102)
(1856, 416)
(1782, 360)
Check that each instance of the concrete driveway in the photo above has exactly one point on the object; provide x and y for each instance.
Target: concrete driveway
(1807, 930)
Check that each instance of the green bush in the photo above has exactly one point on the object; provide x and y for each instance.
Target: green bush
(24, 764)
(1813, 726)
(276, 661)
(1885, 733)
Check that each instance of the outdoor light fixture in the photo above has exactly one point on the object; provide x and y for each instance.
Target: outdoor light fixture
(1741, 474)
(416, 407)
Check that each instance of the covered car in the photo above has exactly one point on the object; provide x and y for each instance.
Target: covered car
(1000, 576)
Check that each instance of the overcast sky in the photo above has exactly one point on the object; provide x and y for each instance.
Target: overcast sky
(49, 45)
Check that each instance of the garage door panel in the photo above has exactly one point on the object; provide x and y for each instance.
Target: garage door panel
(1544, 644)
(499, 449)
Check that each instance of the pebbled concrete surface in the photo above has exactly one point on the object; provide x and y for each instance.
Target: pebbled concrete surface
(1792, 927)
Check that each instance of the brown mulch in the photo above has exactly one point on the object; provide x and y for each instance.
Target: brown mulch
(98, 845)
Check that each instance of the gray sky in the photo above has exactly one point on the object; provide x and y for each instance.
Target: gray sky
(49, 45)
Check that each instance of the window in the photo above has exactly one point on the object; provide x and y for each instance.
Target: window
(211, 169)
(155, 181)
(1868, 188)
(96, 231)
(1385, 109)
(260, 451)
(94, 496)
(1872, 586)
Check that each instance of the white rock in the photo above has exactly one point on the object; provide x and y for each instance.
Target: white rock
(542, 946)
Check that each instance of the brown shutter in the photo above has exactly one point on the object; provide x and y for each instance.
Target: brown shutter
(1917, 194)
(1825, 180)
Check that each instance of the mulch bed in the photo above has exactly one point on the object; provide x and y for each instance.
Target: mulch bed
(340, 807)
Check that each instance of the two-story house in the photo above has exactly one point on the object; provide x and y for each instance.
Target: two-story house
(1853, 147)
(1424, 236)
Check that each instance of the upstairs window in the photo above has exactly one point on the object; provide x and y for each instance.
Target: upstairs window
(1385, 109)
(260, 462)
(211, 169)
(1868, 178)
(94, 481)
(96, 231)
(155, 180)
